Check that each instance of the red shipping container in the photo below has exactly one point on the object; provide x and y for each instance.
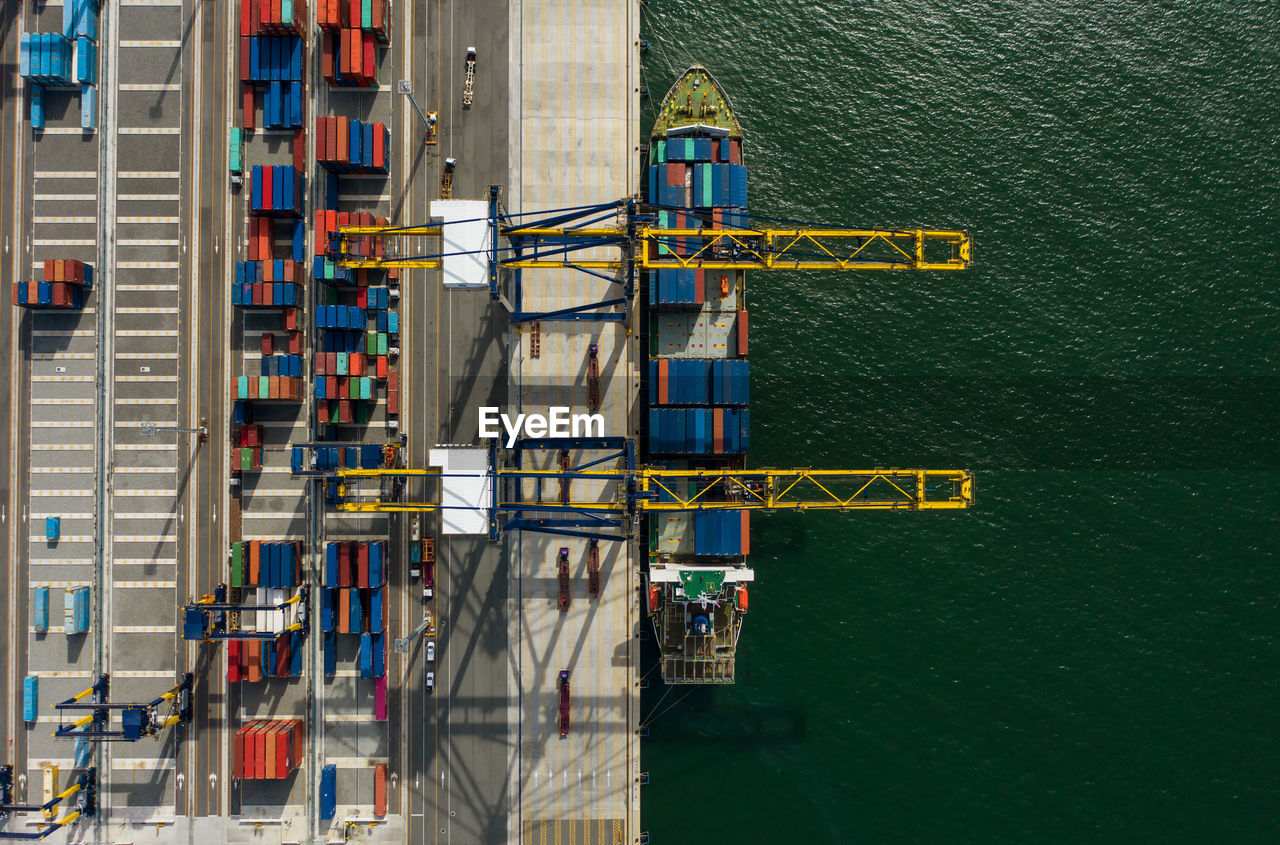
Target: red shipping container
(276, 15)
(260, 750)
(393, 380)
(343, 138)
(237, 753)
(362, 298)
(233, 663)
(273, 387)
(48, 270)
(379, 141)
(344, 565)
(299, 149)
(282, 655)
(717, 430)
(675, 173)
(255, 18)
(393, 402)
(382, 366)
(353, 14)
(330, 363)
(344, 388)
(344, 610)
(269, 271)
(284, 741)
(735, 151)
(742, 334)
(362, 568)
(380, 789)
(664, 385)
(320, 234)
(699, 285)
(245, 56)
(370, 55)
(268, 190)
(326, 59)
(248, 108)
(295, 342)
(265, 236)
(746, 532)
(268, 343)
(344, 412)
(246, 18)
(321, 358)
(13, 293)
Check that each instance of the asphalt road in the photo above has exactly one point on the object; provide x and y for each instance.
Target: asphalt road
(459, 748)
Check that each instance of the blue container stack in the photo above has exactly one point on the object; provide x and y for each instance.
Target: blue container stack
(366, 456)
(691, 431)
(699, 381)
(353, 601)
(282, 365)
(282, 105)
(274, 58)
(717, 533)
(278, 190)
(30, 698)
(46, 59)
(250, 291)
(351, 318)
(76, 610)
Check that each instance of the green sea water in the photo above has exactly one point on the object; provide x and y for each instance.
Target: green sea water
(1091, 654)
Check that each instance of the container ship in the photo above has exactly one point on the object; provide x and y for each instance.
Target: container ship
(698, 384)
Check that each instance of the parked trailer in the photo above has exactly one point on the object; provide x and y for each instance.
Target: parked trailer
(42, 610)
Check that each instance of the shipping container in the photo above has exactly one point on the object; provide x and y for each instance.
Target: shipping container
(30, 698)
(328, 790)
(76, 610)
(380, 789)
(41, 615)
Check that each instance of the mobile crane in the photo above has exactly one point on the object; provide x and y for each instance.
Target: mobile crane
(84, 791)
(206, 619)
(137, 720)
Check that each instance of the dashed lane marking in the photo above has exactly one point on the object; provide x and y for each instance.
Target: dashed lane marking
(146, 332)
(149, 130)
(58, 220)
(165, 220)
(60, 494)
(143, 629)
(150, 86)
(63, 356)
(146, 379)
(171, 44)
(147, 310)
(146, 447)
(142, 673)
(65, 333)
(146, 585)
(166, 516)
(63, 198)
(58, 424)
(61, 401)
(161, 288)
(145, 561)
(59, 585)
(66, 174)
(148, 242)
(65, 561)
(144, 356)
(60, 673)
(142, 471)
(64, 242)
(147, 265)
(146, 494)
(141, 764)
(79, 538)
(62, 447)
(62, 378)
(147, 197)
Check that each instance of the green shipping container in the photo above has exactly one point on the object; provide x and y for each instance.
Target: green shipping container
(704, 182)
(333, 412)
(361, 416)
(237, 564)
(236, 149)
(366, 14)
(286, 11)
(246, 457)
(662, 151)
(382, 344)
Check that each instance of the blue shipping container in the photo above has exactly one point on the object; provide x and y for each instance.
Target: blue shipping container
(30, 698)
(42, 609)
(328, 792)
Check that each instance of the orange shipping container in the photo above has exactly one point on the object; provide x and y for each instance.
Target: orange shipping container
(344, 611)
(742, 334)
(380, 789)
(255, 560)
(237, 754)
(259, 751)
(664, 385)
(746, 532)
(269, 750)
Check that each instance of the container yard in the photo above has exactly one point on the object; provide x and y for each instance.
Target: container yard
(311, 247)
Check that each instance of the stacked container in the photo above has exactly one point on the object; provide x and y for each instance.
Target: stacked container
(327, 223)
(723, 533)
(696, 381)
(273, 17)
(699, 431)
(268, 749)
(344, 145)
(268, 284)
(41, 614)
(63, 286)
(278, 190)
(267, 388)
(253, 660)
(353, 601)
(366, 456)
(30, 698)
(349, 58)
(260, 563)
(246, 456)
(76, 610)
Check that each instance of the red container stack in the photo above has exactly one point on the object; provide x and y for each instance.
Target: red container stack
(268, 749)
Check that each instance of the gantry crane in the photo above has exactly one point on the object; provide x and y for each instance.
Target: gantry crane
(137, 720)
(629, 226)
(206, 618)
(84, 790)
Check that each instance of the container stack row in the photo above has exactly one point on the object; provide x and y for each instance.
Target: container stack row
(252, 661)
(689, 287)
(723, 533)
(268, 749)
(699, 431)
(267, 388)
(63, 286)
(268, 284)
(327, 223)
(277, 190)
(698, 185)
(272, 17)
(698, 381)
(725, 150)
(260, 563)
(366, 456)
(246, 454)
(354, 34)
(344, 145)
(353, 601)
(263, 237)
(277, 65)
(372, 16)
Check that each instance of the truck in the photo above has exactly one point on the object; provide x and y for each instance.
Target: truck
(235, 156)
(593, 378)
(52, 528)
(564, 703)
(469, 79)
(562, 576)
(446, 178)
(593, 570)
